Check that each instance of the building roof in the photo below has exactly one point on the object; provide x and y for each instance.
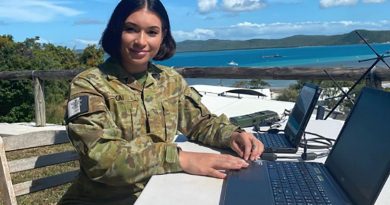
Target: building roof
(233, 106)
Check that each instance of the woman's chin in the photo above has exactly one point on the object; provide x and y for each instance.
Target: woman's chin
(137, 59)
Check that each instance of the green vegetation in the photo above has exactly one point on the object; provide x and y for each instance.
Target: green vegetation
(293, 41)
(17, 100)
(291, 93)
(329, 91)
(16, 96)
(252, 84)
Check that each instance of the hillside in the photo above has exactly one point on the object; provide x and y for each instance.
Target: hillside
(293, 41)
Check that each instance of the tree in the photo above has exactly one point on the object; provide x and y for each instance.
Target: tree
(16, 97)
(252, 84)
(330, 93)
(91, 56)
(289, 95)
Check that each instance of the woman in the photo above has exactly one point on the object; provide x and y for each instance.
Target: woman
(122, 117)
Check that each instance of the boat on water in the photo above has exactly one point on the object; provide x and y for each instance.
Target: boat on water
(232, 63)
(272, 56)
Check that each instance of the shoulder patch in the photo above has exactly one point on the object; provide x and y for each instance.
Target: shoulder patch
(78, 106)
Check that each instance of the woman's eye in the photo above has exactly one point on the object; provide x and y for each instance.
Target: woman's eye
(153, 33)
(130, 29)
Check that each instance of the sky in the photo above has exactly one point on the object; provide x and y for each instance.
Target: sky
(78, 23)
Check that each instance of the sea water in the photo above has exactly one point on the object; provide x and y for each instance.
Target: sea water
(313, 56)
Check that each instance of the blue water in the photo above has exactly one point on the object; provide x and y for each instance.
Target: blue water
(314, 56)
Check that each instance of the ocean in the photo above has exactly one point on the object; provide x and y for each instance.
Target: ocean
(313, 56)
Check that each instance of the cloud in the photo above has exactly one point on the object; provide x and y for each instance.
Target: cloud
(250, 30)
(197, 34)
(34, 10)
(281, 29)
(242, 5)
(286, 1)
(104, 1)
(87, 42)
(42, 40)
(88, 22)
(205, 6)
(334, 3)
(374, 1)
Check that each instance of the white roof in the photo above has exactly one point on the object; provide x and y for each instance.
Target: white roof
(241, 106)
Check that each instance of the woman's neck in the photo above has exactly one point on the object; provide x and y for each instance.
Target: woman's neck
(130, 68)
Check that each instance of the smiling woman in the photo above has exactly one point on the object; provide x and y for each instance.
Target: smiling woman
(123, 115)
(141, 39)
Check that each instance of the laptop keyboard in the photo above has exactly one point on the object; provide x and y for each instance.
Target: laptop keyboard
(273, 140)
(295, 184)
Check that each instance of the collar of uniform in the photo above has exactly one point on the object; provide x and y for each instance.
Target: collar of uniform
(154, 74)
(113, 70)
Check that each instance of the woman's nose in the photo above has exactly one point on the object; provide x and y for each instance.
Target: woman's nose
(141, 39)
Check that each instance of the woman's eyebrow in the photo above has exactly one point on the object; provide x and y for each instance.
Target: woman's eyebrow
(129, 24)
(136, 25)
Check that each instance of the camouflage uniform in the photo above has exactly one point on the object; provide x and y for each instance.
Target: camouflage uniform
(126, 133)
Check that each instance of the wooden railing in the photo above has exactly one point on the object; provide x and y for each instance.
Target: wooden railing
(373, 78)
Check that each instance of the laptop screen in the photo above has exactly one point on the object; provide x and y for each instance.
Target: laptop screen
(301, 112)
(360, 159)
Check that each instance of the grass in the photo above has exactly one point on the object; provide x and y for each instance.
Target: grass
(48, 196)
(55, 112)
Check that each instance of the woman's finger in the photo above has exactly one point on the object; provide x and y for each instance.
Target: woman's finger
(247, 144)
(257, 149)
(237, 149)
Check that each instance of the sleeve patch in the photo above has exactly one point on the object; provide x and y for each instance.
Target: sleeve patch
(78, 106)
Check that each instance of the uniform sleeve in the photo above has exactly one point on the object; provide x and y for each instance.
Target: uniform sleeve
(104, 155)
(197, 123)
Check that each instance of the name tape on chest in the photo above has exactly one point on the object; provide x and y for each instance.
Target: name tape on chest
(78, 106)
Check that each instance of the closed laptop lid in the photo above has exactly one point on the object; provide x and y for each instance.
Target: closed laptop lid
(301, 112)
(360, 159)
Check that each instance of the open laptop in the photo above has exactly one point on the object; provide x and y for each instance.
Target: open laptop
(354, 172)
(288, 141)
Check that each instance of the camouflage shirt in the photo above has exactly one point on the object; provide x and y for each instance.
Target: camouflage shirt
(124, 131)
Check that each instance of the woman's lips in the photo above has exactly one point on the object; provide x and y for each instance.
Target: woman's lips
(139, 53)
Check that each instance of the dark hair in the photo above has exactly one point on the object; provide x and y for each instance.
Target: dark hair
(111, 38)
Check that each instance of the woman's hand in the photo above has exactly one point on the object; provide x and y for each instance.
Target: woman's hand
(246, 145)
(208, 164)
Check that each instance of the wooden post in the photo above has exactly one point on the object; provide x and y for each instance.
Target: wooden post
(39, 99)
(6, 187)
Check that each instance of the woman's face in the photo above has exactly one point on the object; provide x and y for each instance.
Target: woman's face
(141, 39)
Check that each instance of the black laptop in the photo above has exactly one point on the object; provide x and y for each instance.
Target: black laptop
(288, 140)
(354, 172)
